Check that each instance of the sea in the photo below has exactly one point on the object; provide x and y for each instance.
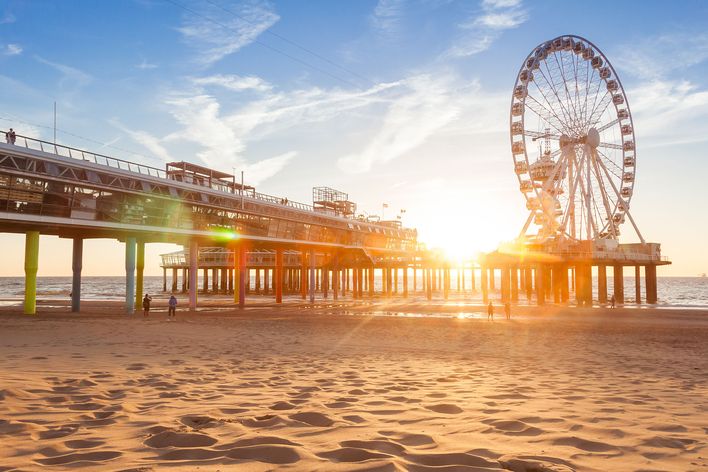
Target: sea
(673, 292)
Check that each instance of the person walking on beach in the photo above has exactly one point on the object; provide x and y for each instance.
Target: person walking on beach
(10, 136)
(612, 300)
(146, 305)
(171, 308)
(507, 310)
(490, 312)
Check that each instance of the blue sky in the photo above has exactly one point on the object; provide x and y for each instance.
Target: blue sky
(397, 101)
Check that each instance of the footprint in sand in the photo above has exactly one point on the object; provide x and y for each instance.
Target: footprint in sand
(445, 408)
(379, 445)
(452, 460)
(535, 463)
(352, 454)
(76, 458)
(175, 439)
(512, 428)
(83, 443)
(410, 439)
(282, 406)
(58, 432)
(585, 444)
(198, 421)
(313, 418)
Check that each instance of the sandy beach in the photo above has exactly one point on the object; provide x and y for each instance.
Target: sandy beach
(335, 388)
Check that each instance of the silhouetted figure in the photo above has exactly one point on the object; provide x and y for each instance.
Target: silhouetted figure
(10, 136)
(507, 310)
(612, 301)
(172, 308)
(146, 305)
(490, 312)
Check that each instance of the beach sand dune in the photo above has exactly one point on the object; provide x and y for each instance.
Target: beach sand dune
(304, 390)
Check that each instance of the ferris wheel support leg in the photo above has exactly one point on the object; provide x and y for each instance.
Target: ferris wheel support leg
(614, 187)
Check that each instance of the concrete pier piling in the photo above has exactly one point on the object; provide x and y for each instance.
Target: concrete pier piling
(76, 265)
(130, 250)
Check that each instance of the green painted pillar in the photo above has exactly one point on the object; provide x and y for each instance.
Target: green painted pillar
(139, 269)
(31, 266)
(130, 244)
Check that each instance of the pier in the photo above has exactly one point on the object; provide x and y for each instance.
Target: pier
(46, 188)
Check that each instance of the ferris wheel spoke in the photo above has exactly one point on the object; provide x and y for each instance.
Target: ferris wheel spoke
(567, 91)
(600, 108)
(549, 117)
(566, 113)
(614, 164)
(610, 146)
(608, 125)
(561, 121)
(588, 83)
(541, 134)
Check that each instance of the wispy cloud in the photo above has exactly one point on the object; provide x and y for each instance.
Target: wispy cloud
(12, 50)
(386, 17)
(266, 168)
(225, 34)
(235, 82)
(70, 75)
(658, 56)
(424, 107)
(150, 142)
(669, 112)
(480, 31)
(145, 65)
(7, 18)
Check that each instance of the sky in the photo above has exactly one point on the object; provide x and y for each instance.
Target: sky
(403, 102)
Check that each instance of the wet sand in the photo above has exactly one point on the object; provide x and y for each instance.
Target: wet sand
(334, 388)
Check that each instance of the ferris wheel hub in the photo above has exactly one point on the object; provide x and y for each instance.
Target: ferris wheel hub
(593, 138)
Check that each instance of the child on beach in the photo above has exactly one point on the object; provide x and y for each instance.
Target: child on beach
(146, 305)
(490, 312)
(507, 310)
(171, 308)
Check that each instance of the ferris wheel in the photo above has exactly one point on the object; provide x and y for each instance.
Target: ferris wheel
(572, 141)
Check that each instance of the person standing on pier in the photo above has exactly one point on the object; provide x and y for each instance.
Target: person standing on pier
(10, 136)
(171, 308)
(146, 305)
(490, 312)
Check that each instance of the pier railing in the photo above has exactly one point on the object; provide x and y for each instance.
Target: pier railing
(142, 169)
